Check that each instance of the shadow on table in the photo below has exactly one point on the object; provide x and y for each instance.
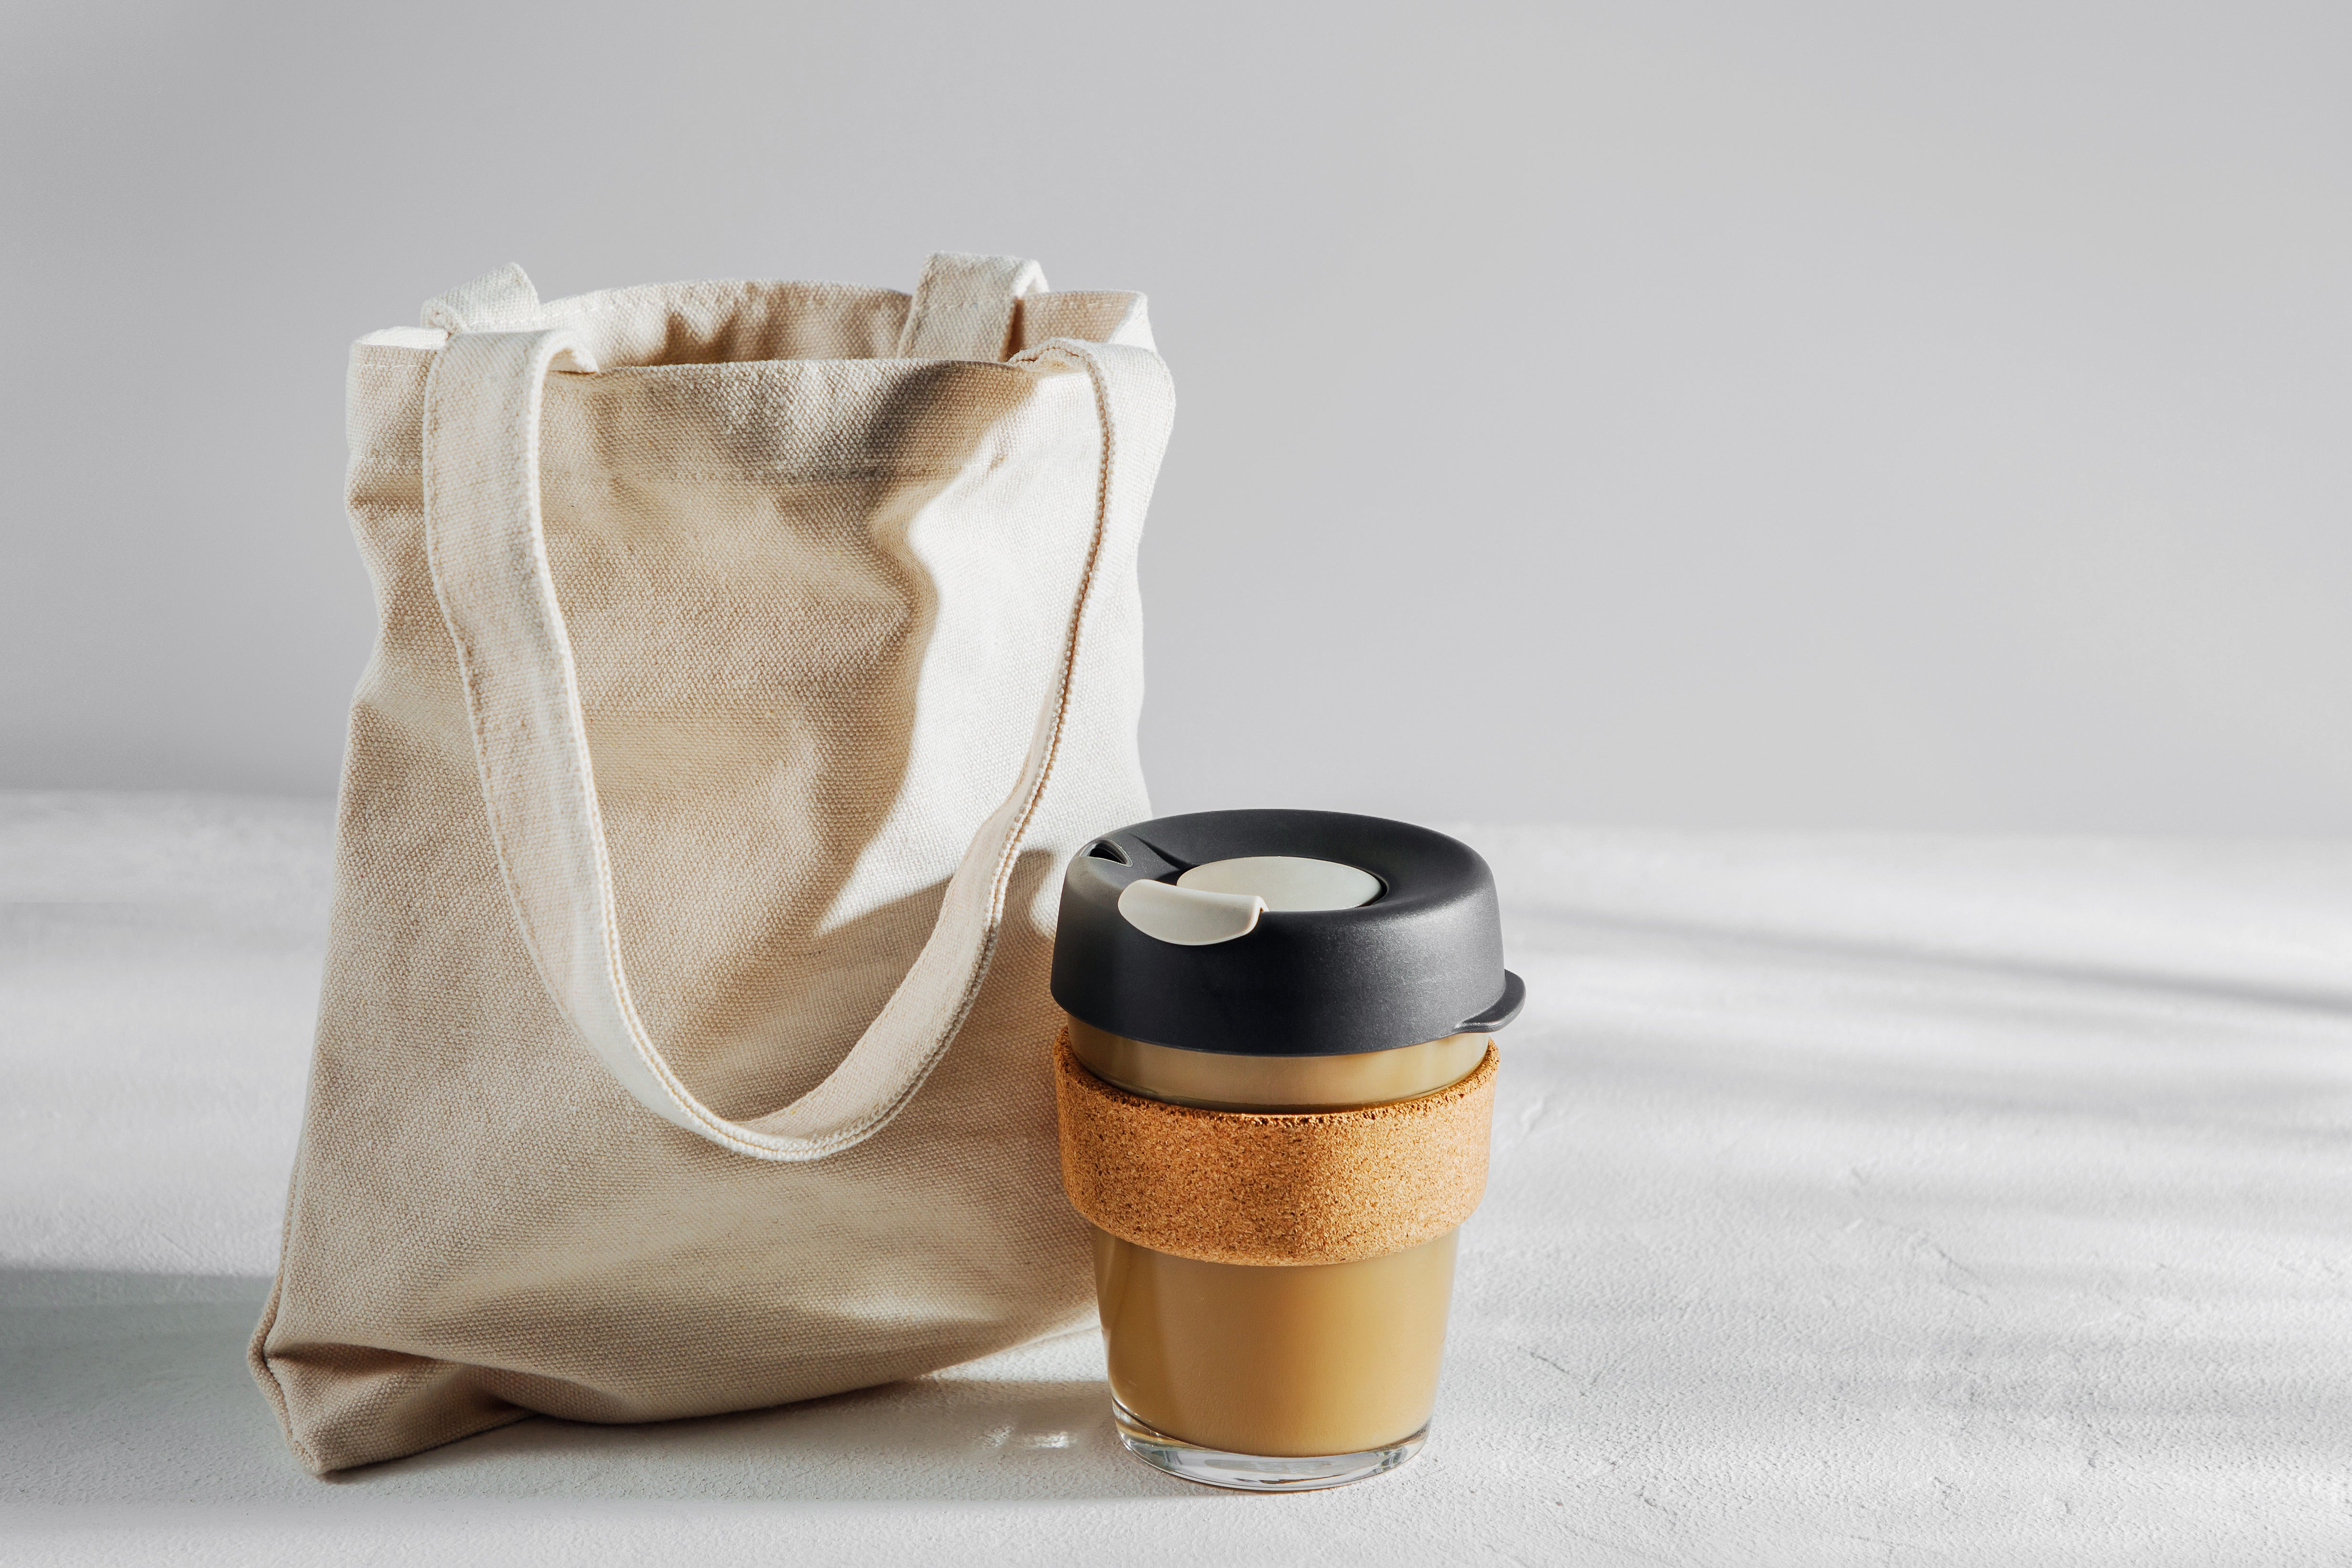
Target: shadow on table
(131, 1389)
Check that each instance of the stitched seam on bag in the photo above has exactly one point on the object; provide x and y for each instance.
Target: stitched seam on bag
(612, 302)
(821, 476)
(732, 367)
(391, 459)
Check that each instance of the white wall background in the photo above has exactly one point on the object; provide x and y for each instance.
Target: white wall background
(1797, 414)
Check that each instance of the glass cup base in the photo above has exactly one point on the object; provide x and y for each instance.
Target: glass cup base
(1256, 1472)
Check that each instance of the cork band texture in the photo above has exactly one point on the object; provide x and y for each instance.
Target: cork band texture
(1272, 1187)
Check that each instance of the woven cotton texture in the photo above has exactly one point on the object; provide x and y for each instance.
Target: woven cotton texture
(1274, 1187)
(752, 656)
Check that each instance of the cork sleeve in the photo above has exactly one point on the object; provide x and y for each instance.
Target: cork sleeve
(1268, 1187)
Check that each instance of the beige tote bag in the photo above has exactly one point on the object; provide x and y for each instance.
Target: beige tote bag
(753, 655)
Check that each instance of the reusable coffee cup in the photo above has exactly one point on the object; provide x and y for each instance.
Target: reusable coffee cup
(1275, 1090)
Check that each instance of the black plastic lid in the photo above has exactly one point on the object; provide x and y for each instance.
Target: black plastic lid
(1424, 959)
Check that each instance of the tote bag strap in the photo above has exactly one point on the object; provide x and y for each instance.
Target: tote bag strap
(487, 550)
(963, 306)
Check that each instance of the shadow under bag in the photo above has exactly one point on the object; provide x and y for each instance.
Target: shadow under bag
(752, 657)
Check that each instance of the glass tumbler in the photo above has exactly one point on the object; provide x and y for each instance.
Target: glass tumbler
(1249, 1348)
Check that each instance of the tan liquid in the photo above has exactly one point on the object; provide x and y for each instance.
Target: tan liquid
(1293, 1362)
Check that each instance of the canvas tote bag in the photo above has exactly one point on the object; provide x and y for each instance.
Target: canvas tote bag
(752, 657)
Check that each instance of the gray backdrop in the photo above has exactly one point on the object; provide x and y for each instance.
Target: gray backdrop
(1791, 415)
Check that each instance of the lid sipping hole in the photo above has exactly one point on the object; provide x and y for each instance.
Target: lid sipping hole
(1103, 849)
(1290, 884)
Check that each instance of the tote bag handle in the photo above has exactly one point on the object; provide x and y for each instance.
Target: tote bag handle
(487, 549)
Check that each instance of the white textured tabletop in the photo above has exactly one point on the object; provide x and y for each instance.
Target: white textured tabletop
(1855, 1199)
